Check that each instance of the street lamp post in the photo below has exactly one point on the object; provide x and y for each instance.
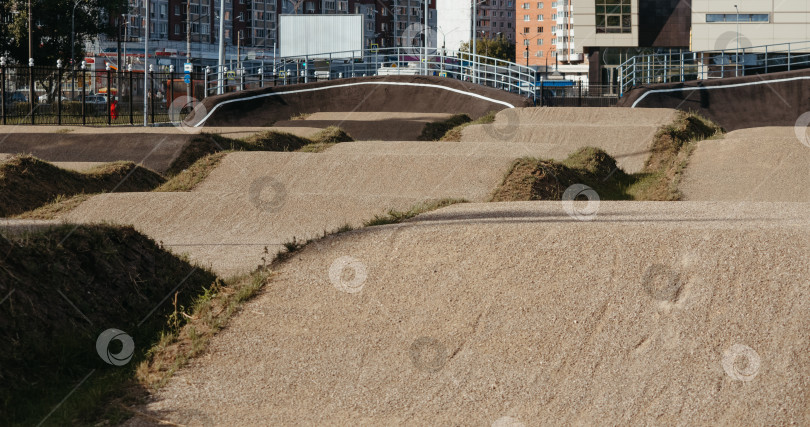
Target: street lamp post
(737, 51)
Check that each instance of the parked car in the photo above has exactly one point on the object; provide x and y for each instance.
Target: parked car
(16, 97)
(96, 99)
(44, 98)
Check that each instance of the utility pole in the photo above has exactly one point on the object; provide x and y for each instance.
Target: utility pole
(425, 34)
(474, 34)
(737, 52)
(221, 58)
(146, 65)
(188, 48)
(30, 37)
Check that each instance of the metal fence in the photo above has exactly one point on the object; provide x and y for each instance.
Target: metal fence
(58, 96)
(577, 94)
(479, 69)
(686, 66)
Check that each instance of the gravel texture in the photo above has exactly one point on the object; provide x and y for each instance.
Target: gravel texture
(651, 313)
(761, 164)
(364, 126)
(555, 133)
(257, 199)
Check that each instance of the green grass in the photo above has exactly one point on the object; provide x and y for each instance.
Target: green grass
(435, 131)
(454, 134)
(395, 216)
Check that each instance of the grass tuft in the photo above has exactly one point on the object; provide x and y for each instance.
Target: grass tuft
(454, 134)
(435, 131)
(395, 216)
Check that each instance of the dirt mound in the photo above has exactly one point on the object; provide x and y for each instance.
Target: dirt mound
(537, 179)
(759, 100)
(367, 94)
(369, 126)
(60, 289)
(555, 133)
(153, 150)
(764, 164)
(27, 182)
(257, 199)
(682, 313)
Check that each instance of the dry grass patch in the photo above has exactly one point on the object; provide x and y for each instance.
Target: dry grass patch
(454, 134)
(671, 148)
(195, 174)
(27, 183)
(55, 209)
(435, 131)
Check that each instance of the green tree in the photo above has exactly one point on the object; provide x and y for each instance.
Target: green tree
(51, 29)
(492, 47)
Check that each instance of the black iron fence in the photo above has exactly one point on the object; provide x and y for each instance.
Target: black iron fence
(59, 96)
(575, 94)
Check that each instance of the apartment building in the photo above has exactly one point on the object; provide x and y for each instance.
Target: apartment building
(495, 18)
(546, 34)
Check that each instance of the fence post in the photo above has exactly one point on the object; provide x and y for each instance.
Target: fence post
(131, 93)
(32, 93)
(59, 91)
(261, 77)
(766, 59)
(542, 94)
(84, 93)
(3, 88)
(109, 95)
(171, 89)
(579, 83)
(151, 91)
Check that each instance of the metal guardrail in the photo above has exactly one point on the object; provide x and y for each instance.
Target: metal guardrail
(483, 70)
(687, 66)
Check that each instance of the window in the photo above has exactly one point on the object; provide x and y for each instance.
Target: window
(539, 42)
(540, 5)
(527, 18)
(733, 17)
(539, 29)
(195, 9)
(385, 11)
(613, 16)
(176, 29)
(539, 54)
(525, 30)
(525, 5)
(540, 18)
(163, 8)
(177, 10)
(259, 33)
(525, 54)
(204, 28)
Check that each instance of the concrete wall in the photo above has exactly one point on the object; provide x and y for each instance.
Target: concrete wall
(585, 28)
(788, 22)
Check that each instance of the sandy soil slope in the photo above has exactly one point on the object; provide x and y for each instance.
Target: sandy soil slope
(684, 313)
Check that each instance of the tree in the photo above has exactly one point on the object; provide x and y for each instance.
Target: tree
(51, 29)
(493, 47)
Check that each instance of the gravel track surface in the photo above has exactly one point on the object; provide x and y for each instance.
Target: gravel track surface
(366, 126)
(652, 313)
(762, 164)
(555, 133)
(257, 199)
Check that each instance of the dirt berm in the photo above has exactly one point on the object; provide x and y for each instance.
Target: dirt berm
(763, 164)
(684, 313)
(776, 99)
(358, 97)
